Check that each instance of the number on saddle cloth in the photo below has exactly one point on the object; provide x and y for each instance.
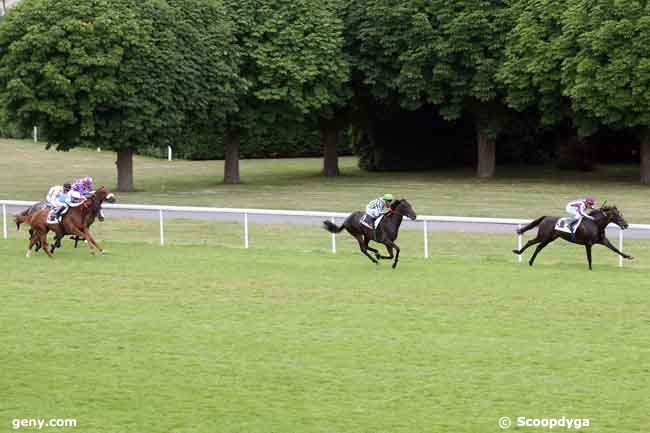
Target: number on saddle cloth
(564, 225)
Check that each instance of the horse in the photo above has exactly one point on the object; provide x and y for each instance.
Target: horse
(74, 222)
(385, 233)
(43, 204)
(589, 233)
(95, 212)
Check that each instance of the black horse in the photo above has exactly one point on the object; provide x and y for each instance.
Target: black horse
(589, 233)
(385, 233)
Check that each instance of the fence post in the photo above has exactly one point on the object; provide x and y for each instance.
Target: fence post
(426, 239)
(620, 246)
(333, 238)
(4, 221)
(35, 134)
(169, 153)
(245, 229)
(162, 229)
(519, 242)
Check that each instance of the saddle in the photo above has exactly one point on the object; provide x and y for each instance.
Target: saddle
(369, 222)
(51, 216)
(562, 225)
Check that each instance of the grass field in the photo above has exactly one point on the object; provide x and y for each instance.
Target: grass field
(287, 337)
(26, 171)
(204, 336)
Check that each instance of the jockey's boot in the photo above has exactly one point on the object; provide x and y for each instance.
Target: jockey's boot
(572, 229)
(58, 213)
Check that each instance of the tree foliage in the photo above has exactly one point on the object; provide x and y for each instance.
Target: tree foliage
(121, 74)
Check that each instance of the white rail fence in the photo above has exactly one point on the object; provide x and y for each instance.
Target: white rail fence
(335, 217)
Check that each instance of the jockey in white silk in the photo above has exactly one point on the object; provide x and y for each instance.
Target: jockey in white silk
(578, 209)
(375, 209)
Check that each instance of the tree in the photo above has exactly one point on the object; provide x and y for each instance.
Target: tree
(531, 71)
(587, 61)
(608, 79)
(120, 74)
(291, 59)
(437, 52)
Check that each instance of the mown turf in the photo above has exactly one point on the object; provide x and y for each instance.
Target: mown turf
(291, 338)
(26, 171)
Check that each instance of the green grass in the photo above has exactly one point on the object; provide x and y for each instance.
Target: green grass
(26, 171)
(287, 337)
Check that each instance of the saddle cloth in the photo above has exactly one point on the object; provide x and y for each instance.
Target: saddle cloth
(364, 221)
(51, 218)
(562, 225)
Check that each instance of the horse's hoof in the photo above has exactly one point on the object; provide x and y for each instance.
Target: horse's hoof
(516, 252)
(630, 258)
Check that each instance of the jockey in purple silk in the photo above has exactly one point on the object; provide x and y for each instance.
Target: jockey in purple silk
(84, 186)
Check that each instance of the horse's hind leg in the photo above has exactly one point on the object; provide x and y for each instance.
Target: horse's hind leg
(529, 244)
(32, 241)
(363, 246)
(588, 250)
(45, 245)
(539, 248)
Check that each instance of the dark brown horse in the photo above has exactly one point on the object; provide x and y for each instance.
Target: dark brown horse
(589, 233)
(74, 222)
(386, 233)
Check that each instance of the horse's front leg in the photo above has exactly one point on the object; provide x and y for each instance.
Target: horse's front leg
(91, 240)
(391, 253)
(609, 245)
(389, 247)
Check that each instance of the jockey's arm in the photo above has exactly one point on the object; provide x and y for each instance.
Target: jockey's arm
(581, 211)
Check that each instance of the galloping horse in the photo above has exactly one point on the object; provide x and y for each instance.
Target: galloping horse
(75, 222)
(589, 233)
(385, 233)
(44, 204)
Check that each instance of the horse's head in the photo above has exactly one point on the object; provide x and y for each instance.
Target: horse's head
(404, 208)
(103, 194)
(614, 215)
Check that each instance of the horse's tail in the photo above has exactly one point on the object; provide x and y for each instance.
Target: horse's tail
(22, 218)
(333, 228)
(532, 225)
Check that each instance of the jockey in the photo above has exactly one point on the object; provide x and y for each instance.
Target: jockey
(72, 199)
(375, 209)
(84, 186)
(56, 195)
(578, 208)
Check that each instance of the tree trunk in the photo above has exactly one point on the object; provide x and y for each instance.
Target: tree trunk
(486, 153)
(645, 159)
(330, 138)
(231, 162)
(125, 170)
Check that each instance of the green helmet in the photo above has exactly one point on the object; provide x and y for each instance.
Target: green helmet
(388, 196)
